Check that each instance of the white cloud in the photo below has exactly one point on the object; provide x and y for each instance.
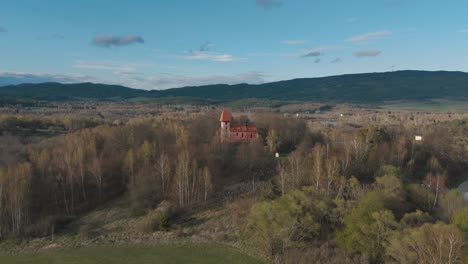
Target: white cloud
(367, 53)
(464, 31)
(369, 36)
(210, 56)
(294, 42)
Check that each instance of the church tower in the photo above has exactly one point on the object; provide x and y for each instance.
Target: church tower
(225, 119)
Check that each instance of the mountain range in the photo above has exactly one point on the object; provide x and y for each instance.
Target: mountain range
(351, 88)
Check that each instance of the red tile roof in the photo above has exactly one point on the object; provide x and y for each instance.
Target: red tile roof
(225, 116)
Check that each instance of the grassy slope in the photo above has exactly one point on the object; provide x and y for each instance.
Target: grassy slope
(197, 237)
(141, 255)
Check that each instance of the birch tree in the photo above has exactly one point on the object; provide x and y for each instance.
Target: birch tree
(164, 169)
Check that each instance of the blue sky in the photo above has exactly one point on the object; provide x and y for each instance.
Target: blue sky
(170, 43)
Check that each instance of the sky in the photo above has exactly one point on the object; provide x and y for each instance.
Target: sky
(162, 44)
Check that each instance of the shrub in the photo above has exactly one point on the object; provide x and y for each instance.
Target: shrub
(430, 243)
(368, 226)
(294, 217)
(47, 226)
(416, 219)
(84, 232)
(421, 197)
(154, 221)
(460, 220)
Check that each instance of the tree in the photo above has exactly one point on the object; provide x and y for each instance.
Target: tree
(97, 175)
(317, 165)
(450, 202)
(375, 235)
(129, 165)
(272, 140)
(164, 169)
(415, 219)
(283, 174)
(16, 197)
(420, 196)
(430, 243)
(332, 171)
(460, 220)
(182, 175)
(207, 184)
(366, 227)
(392, 189)
(292, 171)
(435, 180)
(2, 201)
(297, 216)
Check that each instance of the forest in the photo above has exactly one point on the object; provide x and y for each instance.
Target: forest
(337, 193)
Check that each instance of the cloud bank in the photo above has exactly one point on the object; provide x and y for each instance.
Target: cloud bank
(168, 80)
(131, 79)
(108, 41)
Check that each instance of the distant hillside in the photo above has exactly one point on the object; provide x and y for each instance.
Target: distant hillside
(78, 91)
(355, 88)
(363, 88)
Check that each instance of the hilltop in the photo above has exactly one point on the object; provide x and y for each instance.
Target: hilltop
(349, 88)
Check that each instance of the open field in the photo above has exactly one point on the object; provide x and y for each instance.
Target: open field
(435, 105)
(141, 255)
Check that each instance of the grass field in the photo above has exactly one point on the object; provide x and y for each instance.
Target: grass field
(435, 105)
(140, 255)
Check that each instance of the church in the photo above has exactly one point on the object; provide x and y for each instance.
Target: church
(235, 133)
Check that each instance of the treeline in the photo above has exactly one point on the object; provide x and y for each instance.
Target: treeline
(60, 123)
(370, 195)
(387, 221)
(355, 191)
(150, 160)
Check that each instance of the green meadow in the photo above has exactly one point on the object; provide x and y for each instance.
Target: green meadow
(141, 255)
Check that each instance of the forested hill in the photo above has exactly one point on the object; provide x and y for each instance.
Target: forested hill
(63, 92)
(359, 88)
